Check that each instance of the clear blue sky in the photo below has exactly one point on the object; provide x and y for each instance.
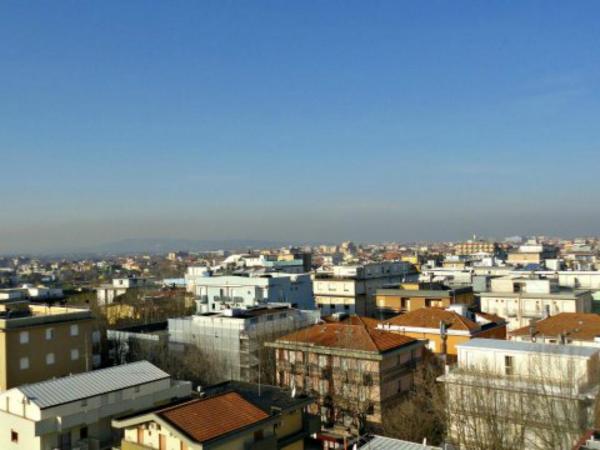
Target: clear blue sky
(299, 121)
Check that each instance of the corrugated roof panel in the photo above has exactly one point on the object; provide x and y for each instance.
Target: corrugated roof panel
(384, 443)
(76, 387)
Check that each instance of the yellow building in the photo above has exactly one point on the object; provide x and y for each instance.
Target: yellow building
(425, 324)
(412, 296)
(39, 342)
(229, 416)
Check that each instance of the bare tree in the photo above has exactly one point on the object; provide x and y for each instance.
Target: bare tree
(543, 405)
(421, 413)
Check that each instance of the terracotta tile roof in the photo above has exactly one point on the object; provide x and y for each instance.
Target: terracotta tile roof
(207, 418)
(431, 317)
(353, 319)
(579, 326)
(357, 334)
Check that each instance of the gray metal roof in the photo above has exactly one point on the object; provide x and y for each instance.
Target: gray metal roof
(519, 346)
(97, 382)
(384, 443)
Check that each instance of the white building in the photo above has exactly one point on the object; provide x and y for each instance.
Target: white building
(532, 396)
(234, 338)
(351, 289)
(243, 291)
(107, 293)
(75, 412)
(520, 299)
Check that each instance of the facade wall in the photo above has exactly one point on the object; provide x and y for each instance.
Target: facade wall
(38, 348)
(518, 310)
(347, 386)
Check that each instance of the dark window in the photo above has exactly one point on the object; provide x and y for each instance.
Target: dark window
(508, 365)
(83, 433)
(258, 435)
(14, 436)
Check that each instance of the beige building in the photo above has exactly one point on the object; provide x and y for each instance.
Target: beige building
(474, 247)
(39, 342)
(407, 297)
(75, 412)
(523, 299)
(353, 370)
(532, 396)
(351, 289)
(229, 416)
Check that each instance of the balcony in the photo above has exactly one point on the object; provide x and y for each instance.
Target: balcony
(126, 445)
(266, 443)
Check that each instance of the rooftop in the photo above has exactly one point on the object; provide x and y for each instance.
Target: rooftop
(578, 326)
(516, 346)
(356, 334)
(265, 397)
(386, 443)
(59, 391)
(431, 318)
(208, 418)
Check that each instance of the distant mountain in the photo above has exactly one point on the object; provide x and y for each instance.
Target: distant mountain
(165, 245)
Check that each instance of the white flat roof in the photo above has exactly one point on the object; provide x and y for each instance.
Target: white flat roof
(520, 346)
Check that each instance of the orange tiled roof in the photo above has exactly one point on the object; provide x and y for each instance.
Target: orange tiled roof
(579, 326)
(356, 334)
(353, 319)
(431, 318)
(207, 418)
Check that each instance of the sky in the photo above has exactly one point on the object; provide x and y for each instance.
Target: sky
(300, 121)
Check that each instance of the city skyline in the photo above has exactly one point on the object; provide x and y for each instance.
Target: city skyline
(296, 122)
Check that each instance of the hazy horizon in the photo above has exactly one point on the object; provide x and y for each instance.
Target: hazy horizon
(296, 121)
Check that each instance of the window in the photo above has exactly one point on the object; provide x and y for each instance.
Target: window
(74, 330)
(136, 389)
(84, 403)
(24, 337)
(14, 436)
(49, 334)
(508, 365)
(83, 433)
(24, 363)
(50, 358)
(74, 354)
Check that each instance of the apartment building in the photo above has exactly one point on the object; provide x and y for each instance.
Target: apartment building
(106, 293)
(523, 299)
(444, 329)
(75, 412)
(215, 293)
(353, 370)
(229, 416)
(528, 395)
(407, 297)
(564, 328)
(351, 289)
(38, 342)
(234, 338)
(476, 247)
(531, 253)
